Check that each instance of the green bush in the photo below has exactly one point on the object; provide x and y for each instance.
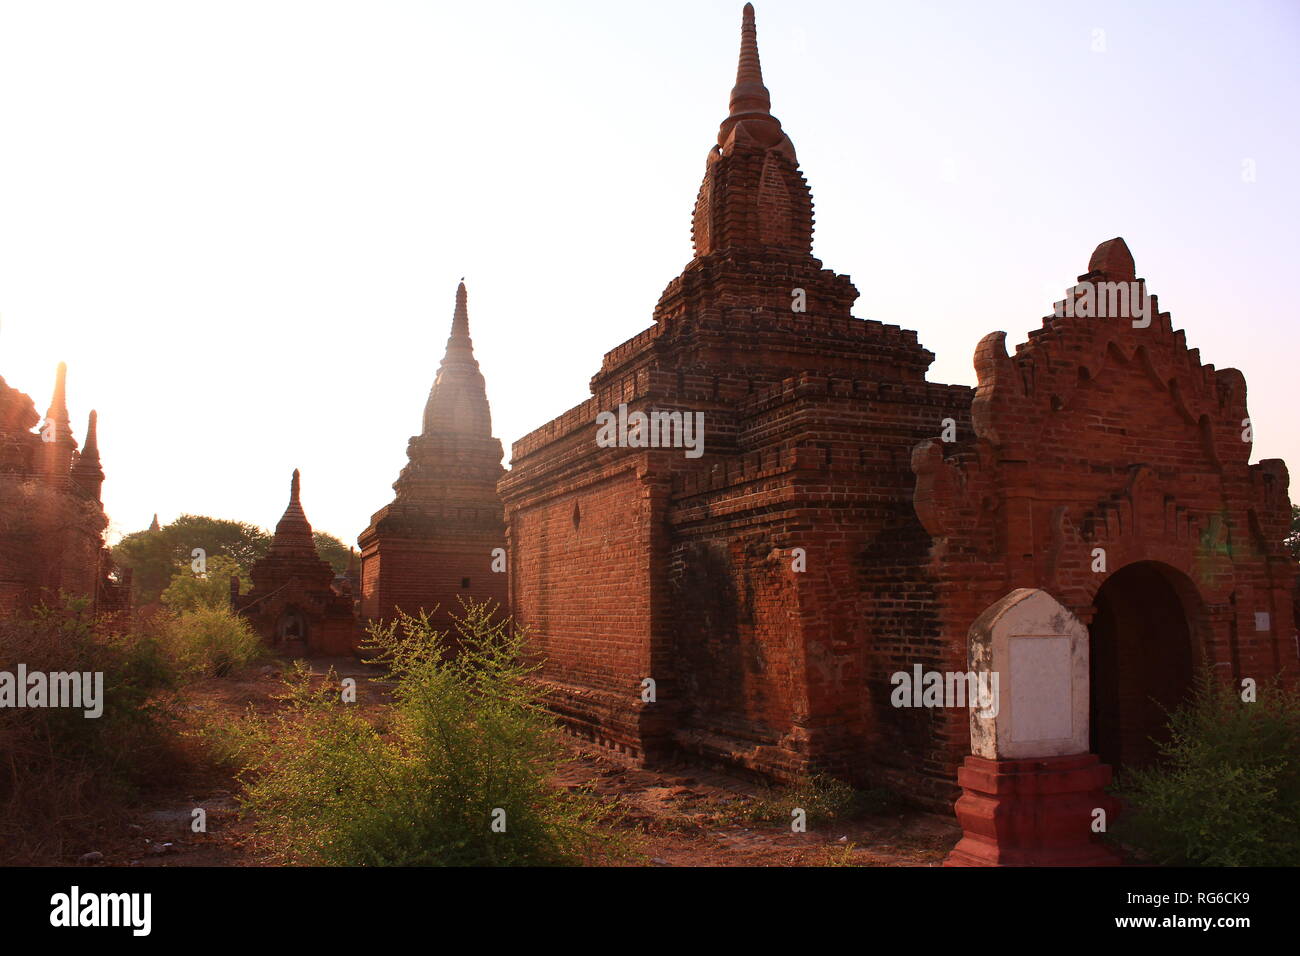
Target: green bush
(189, 591)
(211, 641)
(466, 744)
(234, 744)
(1226, 791)
(64, 773)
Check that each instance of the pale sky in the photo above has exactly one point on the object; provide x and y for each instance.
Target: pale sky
(241, 224)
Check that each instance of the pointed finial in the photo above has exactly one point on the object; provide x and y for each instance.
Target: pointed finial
(92, 437)
(293, 533)
(751, 104)
(58, 411)
(458, 393)
(749, 93)
(87, 473)
(460, 322)
(154, 526)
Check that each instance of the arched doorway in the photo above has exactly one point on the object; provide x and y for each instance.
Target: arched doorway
(291, 627)
(1141, 659)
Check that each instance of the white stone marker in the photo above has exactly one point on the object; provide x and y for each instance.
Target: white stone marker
(1039, 652)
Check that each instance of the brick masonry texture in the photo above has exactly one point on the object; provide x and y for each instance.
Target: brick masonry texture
(915, 505)
(434, 545)
(293, 603)
(51, 519)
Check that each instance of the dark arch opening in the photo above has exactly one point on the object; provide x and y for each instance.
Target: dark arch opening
(1141, 660)
(291, 627)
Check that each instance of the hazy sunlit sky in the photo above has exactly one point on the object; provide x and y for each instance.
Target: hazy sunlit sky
(241, 224)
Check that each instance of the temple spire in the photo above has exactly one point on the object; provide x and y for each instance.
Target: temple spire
(153, 525)
(87, 471)
(753, 196)
(58, 445)
(750, 104)
(58, 426)
(458, 399)
(91, 451)
(460, 321)
(58, 410)
(749, 94)
(293, 533)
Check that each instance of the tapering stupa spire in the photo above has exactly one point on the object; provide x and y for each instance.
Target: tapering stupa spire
(753, 196)
(57, 426)
(91, 450)
(87, 471)
(458, 400)
(751, 104)
(58, 445)
(153, 525)
(460, 321)
(293, 533)
(58, 410)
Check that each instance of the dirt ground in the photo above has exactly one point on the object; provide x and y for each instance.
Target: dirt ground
(685, 816)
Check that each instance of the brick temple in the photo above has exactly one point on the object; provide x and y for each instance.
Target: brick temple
(52, 520)
(844, 519)
(294, 603)
(442, 538)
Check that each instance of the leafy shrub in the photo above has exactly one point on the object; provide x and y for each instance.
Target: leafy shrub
(234, 744)
(466, 739)
(1226, 791)
(63, 772)
(210, 641)
(189, 591)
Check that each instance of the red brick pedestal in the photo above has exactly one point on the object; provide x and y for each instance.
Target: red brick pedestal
(1033, 812)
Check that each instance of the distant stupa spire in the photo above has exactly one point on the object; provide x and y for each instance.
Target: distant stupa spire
(293, 533)
(458, 400)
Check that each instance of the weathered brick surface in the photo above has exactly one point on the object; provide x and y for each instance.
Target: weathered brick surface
(293, 604)
(1100, 435)
(51, 519)
(433, 545)
(916, 505)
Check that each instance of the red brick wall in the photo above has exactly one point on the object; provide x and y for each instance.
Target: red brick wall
(428, 573)
(583, 584)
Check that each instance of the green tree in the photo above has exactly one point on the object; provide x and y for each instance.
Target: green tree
(190, 590)
(156, 556)
(332, 549)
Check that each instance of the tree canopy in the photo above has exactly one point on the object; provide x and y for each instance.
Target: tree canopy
(156, 556)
